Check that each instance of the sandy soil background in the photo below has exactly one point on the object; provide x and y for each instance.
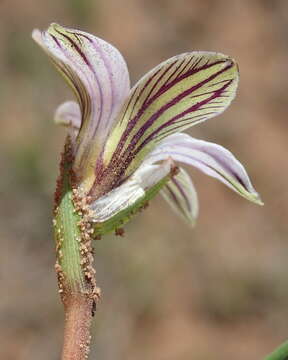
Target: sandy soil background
(216, 292)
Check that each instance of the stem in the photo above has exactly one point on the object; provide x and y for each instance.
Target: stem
(77, 328)
(74, 262)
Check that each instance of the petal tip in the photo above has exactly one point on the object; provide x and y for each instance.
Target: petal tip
(193, 223)
(36, 35)
(232, 63)
(54, 26)
(255, 198)
(258, 200)
(57, 30)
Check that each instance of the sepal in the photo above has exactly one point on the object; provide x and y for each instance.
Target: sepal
(117, 207)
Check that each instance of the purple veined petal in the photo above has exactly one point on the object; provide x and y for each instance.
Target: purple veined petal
(180, 92)
(130, 191)
(212, 159)
(181, 195)
(98, 75)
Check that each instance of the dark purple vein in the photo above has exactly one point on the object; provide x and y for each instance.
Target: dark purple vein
(173, 196)
(132, 123)
(174, 101)
(174, 74)
(181, 191)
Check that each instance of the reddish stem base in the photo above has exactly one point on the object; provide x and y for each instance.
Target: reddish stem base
(78, 317)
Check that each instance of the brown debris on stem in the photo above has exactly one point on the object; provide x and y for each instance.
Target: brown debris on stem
(74, 260)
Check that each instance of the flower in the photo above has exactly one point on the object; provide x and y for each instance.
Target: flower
(125, 142)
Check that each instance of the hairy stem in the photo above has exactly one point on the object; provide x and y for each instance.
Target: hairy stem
(74, 262)
(77, 328)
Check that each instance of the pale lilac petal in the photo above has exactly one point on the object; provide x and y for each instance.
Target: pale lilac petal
(147, 175)
(68, 114)
(116, 201)
(214, 160)
(181, 195)
(98, 75)
(128, 193)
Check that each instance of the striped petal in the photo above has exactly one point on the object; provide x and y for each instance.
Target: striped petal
(214, 160)
(178, 93)
(98, 75)
(180, 193)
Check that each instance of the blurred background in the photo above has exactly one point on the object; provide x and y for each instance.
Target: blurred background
(218, 291)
